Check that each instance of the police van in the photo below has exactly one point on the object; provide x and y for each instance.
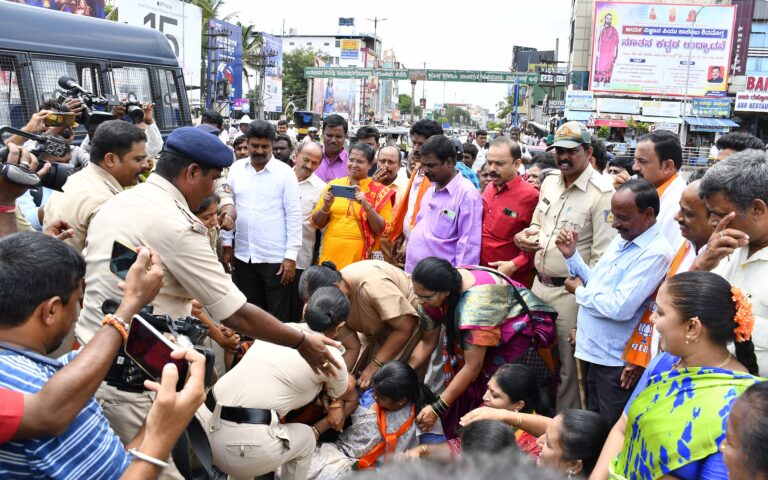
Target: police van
(109, 59)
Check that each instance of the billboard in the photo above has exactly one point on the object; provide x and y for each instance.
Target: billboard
(85, 8)
(350, 48)
(182, 25)
(273, 74)
(225, 55)
(755, 97)
(662, 49)
(338, 96)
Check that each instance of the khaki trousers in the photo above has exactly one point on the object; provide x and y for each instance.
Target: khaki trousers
(126, 412)
(246, 451)
(567, 310)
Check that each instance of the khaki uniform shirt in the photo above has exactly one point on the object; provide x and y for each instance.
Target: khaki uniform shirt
(585, 207)
(156, 214)
(83, 194)
(277, 378)
(22, 224)
(221, 188)
(380, 292)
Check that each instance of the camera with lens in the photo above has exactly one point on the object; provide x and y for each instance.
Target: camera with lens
(126, 375)
(44, 145)
(96, 109)
(133, 108)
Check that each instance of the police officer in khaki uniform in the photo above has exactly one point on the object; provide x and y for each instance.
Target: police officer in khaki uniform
(579, 198)
(227, 212)
(118, 156)
(157, 213)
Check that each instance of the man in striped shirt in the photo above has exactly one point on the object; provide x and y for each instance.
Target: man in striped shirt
(42, 282)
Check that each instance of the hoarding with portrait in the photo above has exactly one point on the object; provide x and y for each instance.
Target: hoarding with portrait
(662, 49)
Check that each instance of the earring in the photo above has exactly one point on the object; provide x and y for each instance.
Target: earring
(687, 339)
(696, 340)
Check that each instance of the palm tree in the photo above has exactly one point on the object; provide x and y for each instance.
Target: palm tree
(110, 10)
(210, 9)
(252, 42)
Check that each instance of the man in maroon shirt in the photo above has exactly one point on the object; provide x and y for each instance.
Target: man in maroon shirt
(508, 204)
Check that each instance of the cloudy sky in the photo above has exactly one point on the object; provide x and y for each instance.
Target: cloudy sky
(476, 36)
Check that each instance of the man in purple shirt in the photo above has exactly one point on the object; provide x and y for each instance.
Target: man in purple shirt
(334, 163)
(450, 220)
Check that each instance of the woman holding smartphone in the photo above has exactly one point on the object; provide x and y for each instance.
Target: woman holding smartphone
(355, 224)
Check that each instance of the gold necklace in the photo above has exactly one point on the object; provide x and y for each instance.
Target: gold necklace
(725, 362)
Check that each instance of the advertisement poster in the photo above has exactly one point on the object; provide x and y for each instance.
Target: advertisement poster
(225, 55)
(580, 100)
(85, 8)
(755, 97)
(350, 48)
(662, 49)
(181, 23)
(273, 74)
(339, 96)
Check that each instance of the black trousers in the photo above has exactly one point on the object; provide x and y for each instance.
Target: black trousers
(604, 393)
(261, 285)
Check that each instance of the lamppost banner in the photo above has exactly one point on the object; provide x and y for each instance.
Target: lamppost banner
(662, 49)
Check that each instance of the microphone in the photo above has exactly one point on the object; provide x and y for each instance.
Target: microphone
(69, 83)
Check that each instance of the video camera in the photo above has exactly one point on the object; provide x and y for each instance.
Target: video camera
(20, 175)
(98, 109)
(126, 375)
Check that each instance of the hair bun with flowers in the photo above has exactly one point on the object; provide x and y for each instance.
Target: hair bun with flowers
(744, 318)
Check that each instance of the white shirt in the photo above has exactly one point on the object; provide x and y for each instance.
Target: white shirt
(480, 159)
(748, 274)
(268, 226)
(310, 191)
(669, 205)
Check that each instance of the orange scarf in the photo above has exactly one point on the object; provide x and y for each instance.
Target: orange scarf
(665, 185)
(377, 195)
(401, 207)
(638, 349)
(390, 439)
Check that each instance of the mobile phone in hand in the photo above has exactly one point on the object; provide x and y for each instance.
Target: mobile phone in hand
(343, 191)
(122, 259)
(151, 351)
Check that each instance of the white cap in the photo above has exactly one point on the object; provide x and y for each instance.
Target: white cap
(245, 119)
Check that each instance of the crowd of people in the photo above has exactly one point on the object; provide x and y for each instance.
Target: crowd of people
(457, 308)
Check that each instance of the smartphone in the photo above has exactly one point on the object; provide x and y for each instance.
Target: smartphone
(122, 259)
(60, 119)
(343, 191)
(151, 351)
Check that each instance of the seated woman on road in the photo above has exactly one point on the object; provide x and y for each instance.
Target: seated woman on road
(244, 429)
(383, 308)
(354, 225)
(675, 420)
(490, 320)
(570, 443)
(383, 424)
(512, 388)
(744, 448)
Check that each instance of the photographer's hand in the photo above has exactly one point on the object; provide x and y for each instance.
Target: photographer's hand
(74, 105)
(59, 229)
(149, 109)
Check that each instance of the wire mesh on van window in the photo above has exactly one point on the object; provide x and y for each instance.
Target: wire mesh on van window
(170, 111)
(130, 83)
(12, 110)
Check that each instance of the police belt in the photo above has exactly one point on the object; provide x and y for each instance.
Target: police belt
(255, 416)
(552, 281)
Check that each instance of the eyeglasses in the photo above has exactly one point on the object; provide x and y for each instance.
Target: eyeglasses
(426, 298)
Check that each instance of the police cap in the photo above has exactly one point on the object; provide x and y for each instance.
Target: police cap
(200, 147)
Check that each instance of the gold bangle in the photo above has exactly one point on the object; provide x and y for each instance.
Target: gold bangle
(325, 211)
(424, 450)
(316, 431)
(335, 404)
(377, 362)
(519, 419)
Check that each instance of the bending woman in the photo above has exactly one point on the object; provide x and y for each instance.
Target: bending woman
(675, 420)
(490, 320)
(382, 309)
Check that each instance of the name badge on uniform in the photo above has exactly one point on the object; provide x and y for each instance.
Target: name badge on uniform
(608, 216)
(198, 228)
(510, 213)
(449, 213)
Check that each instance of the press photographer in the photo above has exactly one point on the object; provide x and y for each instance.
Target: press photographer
(39, 305)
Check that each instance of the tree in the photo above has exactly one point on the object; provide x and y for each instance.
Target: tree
(404, 105)
(294, 82)
(251, 44)
(110, 10)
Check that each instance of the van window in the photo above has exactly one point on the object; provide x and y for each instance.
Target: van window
(169, 111)
(12, 111)
(46, 73)
(131, 80)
